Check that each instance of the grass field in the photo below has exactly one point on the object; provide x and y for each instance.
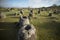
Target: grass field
(48, 28)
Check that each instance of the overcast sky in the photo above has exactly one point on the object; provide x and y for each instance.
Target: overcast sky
(28, 3)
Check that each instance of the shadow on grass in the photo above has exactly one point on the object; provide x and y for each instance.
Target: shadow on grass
(49, 31)
(46, 31)
(10, 32)
(7, 25)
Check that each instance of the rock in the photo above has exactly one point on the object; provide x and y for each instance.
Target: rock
(50, 14)
(23, 21)
(2, 16)
(27, 32)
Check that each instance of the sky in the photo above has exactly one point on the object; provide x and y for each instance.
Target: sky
(28, 3)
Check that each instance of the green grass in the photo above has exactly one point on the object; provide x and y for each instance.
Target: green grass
(48, 28)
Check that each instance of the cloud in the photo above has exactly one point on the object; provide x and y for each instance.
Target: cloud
(40, 3)
(13, 3)
(34, 3)
(28, 3)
